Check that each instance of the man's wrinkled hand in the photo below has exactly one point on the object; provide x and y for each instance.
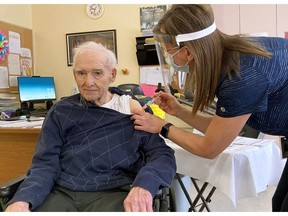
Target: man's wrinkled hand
(138, 200)
(18, 207)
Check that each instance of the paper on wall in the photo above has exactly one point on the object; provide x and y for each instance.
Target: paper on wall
(4, 77)
(14, 42)
(14, 64)
(25, 52)
(151, 75)
(13, 81)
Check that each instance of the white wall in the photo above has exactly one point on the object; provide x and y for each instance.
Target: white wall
(252, 18)
(227, 17)
(258, 18)
(19, 15)
(281, 19)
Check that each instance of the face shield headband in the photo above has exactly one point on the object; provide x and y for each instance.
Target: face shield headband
(175, 75)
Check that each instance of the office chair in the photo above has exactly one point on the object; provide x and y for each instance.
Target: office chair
(162, 201)
(132, 88)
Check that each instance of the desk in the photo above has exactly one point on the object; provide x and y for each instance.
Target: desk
(243, 170)
(16, 147)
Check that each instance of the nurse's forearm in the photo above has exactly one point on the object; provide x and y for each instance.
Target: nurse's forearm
(199, 121)
(191, 142)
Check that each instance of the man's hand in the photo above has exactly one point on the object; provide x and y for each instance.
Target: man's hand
(138, 200)
(18, 207)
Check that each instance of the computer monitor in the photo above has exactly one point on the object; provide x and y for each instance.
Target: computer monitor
(36, 90)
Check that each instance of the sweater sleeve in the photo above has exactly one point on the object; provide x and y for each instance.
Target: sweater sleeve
(45, 167)
(160, 167)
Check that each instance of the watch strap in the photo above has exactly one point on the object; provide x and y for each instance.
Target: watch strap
(165, 130)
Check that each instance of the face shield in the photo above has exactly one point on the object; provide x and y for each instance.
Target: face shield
(168, 47)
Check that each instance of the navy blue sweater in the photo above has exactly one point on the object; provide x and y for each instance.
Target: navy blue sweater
(84, 147)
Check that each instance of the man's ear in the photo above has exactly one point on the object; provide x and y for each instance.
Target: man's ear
(113, 74)
(74, 74)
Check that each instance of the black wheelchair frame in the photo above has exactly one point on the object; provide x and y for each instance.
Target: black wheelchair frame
(8, 190)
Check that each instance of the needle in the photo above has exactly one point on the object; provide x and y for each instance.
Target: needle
(150, 102)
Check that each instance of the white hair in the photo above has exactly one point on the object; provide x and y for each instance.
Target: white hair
(111, 61)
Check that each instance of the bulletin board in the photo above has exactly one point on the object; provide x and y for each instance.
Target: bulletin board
(16, 37)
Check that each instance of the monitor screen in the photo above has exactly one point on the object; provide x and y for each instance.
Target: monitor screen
(36, 89)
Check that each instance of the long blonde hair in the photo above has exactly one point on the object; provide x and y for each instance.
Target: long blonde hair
(213, 54)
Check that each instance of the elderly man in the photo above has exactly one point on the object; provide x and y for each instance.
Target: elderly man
(88, 156)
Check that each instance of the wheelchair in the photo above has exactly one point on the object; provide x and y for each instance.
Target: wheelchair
(162, 201)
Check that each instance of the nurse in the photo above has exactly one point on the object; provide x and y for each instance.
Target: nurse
(246, 76)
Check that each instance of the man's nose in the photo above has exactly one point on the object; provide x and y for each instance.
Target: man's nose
(89, 79)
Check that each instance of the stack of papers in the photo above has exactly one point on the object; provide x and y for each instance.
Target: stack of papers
(23, 123)
(8, 103)
(8, 100)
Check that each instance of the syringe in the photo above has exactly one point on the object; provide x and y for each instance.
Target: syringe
(150, 102)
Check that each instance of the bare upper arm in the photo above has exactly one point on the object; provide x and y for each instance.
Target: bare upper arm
(134, 105)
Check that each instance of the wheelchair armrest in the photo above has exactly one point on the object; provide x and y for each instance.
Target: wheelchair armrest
(11, 186)
(162, 201)
(8, 189)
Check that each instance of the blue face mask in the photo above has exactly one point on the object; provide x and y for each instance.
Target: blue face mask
(180, 71)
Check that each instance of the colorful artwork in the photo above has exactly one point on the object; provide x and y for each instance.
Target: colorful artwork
(26, 65)
(4, 46)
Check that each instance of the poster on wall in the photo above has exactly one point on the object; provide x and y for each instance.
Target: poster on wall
(149, 16)
(106, 37)
(26, 62)
(4, 45)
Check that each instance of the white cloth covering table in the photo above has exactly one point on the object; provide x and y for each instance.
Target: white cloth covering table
(243, 170)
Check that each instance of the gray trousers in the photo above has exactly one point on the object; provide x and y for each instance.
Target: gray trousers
(64, 200)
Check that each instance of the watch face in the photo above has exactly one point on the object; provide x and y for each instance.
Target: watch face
(95, 11)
